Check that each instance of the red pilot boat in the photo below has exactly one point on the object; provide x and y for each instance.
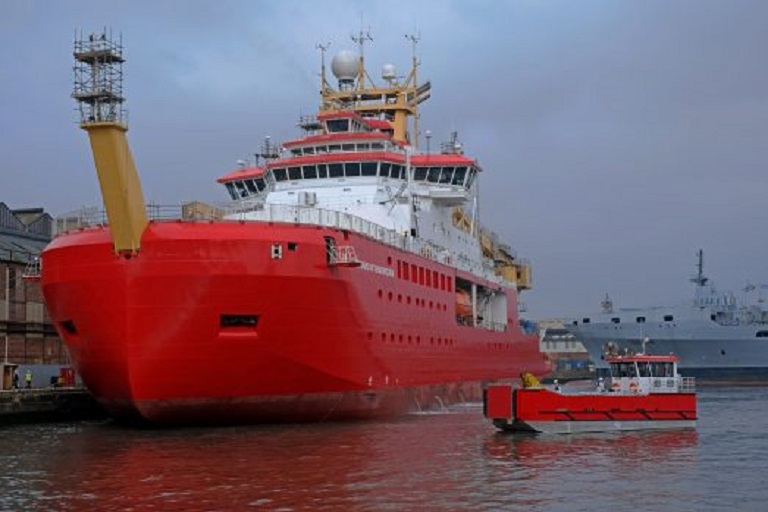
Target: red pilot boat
(347, 278)
(642, 392)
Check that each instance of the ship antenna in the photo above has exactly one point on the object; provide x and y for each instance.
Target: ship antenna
(700, 279)
(414, 39)
(323, 82)
(360, 39)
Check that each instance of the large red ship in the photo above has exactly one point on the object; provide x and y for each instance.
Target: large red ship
(348, 277)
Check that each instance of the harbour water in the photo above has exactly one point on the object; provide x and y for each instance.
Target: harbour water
(452, 460)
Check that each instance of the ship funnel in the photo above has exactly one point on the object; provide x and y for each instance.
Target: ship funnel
(98, 91)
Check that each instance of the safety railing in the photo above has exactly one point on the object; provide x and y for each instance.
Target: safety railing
(257, 211)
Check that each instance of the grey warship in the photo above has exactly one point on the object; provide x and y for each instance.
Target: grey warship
(717, 337)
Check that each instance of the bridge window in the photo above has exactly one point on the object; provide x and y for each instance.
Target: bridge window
(377, 146)
(364, 147)
(280, 174)
(231, 189)
(420, 174)
(433, 175)
(322, 170)
(369, 168)
(310, 172)
(334, 148)
(347, 147)
(668, 318)
(459, 175)
(309, 151)
(241, 189)
(472, 174)
(260, 184)
(294, 173)
(251, 186)
(397, 171)
(446, 175)
(384, 169)
(761, 334)
(352, 168)
(337, 125)
(335, 170)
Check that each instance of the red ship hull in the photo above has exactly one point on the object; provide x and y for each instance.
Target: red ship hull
(147, 333)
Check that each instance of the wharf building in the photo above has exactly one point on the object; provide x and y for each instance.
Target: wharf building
(27, 335)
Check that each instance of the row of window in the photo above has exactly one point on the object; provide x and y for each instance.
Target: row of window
(413, 340)
(639, 319)
(443, 175)
(339, 170)
(417, 301)
(424, 276)
(349, 147)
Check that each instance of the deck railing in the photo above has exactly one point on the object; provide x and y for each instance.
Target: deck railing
(256, 211)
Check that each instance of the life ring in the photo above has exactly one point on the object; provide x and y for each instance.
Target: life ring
(615, 386)
(634, 387)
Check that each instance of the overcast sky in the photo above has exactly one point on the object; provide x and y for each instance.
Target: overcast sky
(616, 137)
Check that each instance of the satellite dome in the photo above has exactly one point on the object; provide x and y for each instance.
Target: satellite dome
(345, 65)
(388, 72)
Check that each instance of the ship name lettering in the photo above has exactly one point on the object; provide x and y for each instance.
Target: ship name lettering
(376, 269)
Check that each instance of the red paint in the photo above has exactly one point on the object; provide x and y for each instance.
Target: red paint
(145, 332)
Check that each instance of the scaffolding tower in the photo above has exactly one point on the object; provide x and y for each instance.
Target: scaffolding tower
(98, 70)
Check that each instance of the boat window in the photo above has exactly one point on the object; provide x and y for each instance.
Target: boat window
(251, 186)
(668, 318)
(337, 125)
(369, 168)
(309, 151)
(347, 147)
(585, 320)
(322, 170)
(623, 370)
(321, 149)
(761, 334)
(352, 169)
(364, 147)
(384, 168)
(645, 369)
(241, 189)
(231, 189)
(260, 184)
(334, 148)
(296, 151)
(310, 172)
(397, 171)
(280, 174)
(459, 175)
(420, 174)
(377, 146)
(640, 319)
(294, 173)
(335, 170)
(661, 370)
(433, 175)
(615, 320)
(471, 179)
(446, 175)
